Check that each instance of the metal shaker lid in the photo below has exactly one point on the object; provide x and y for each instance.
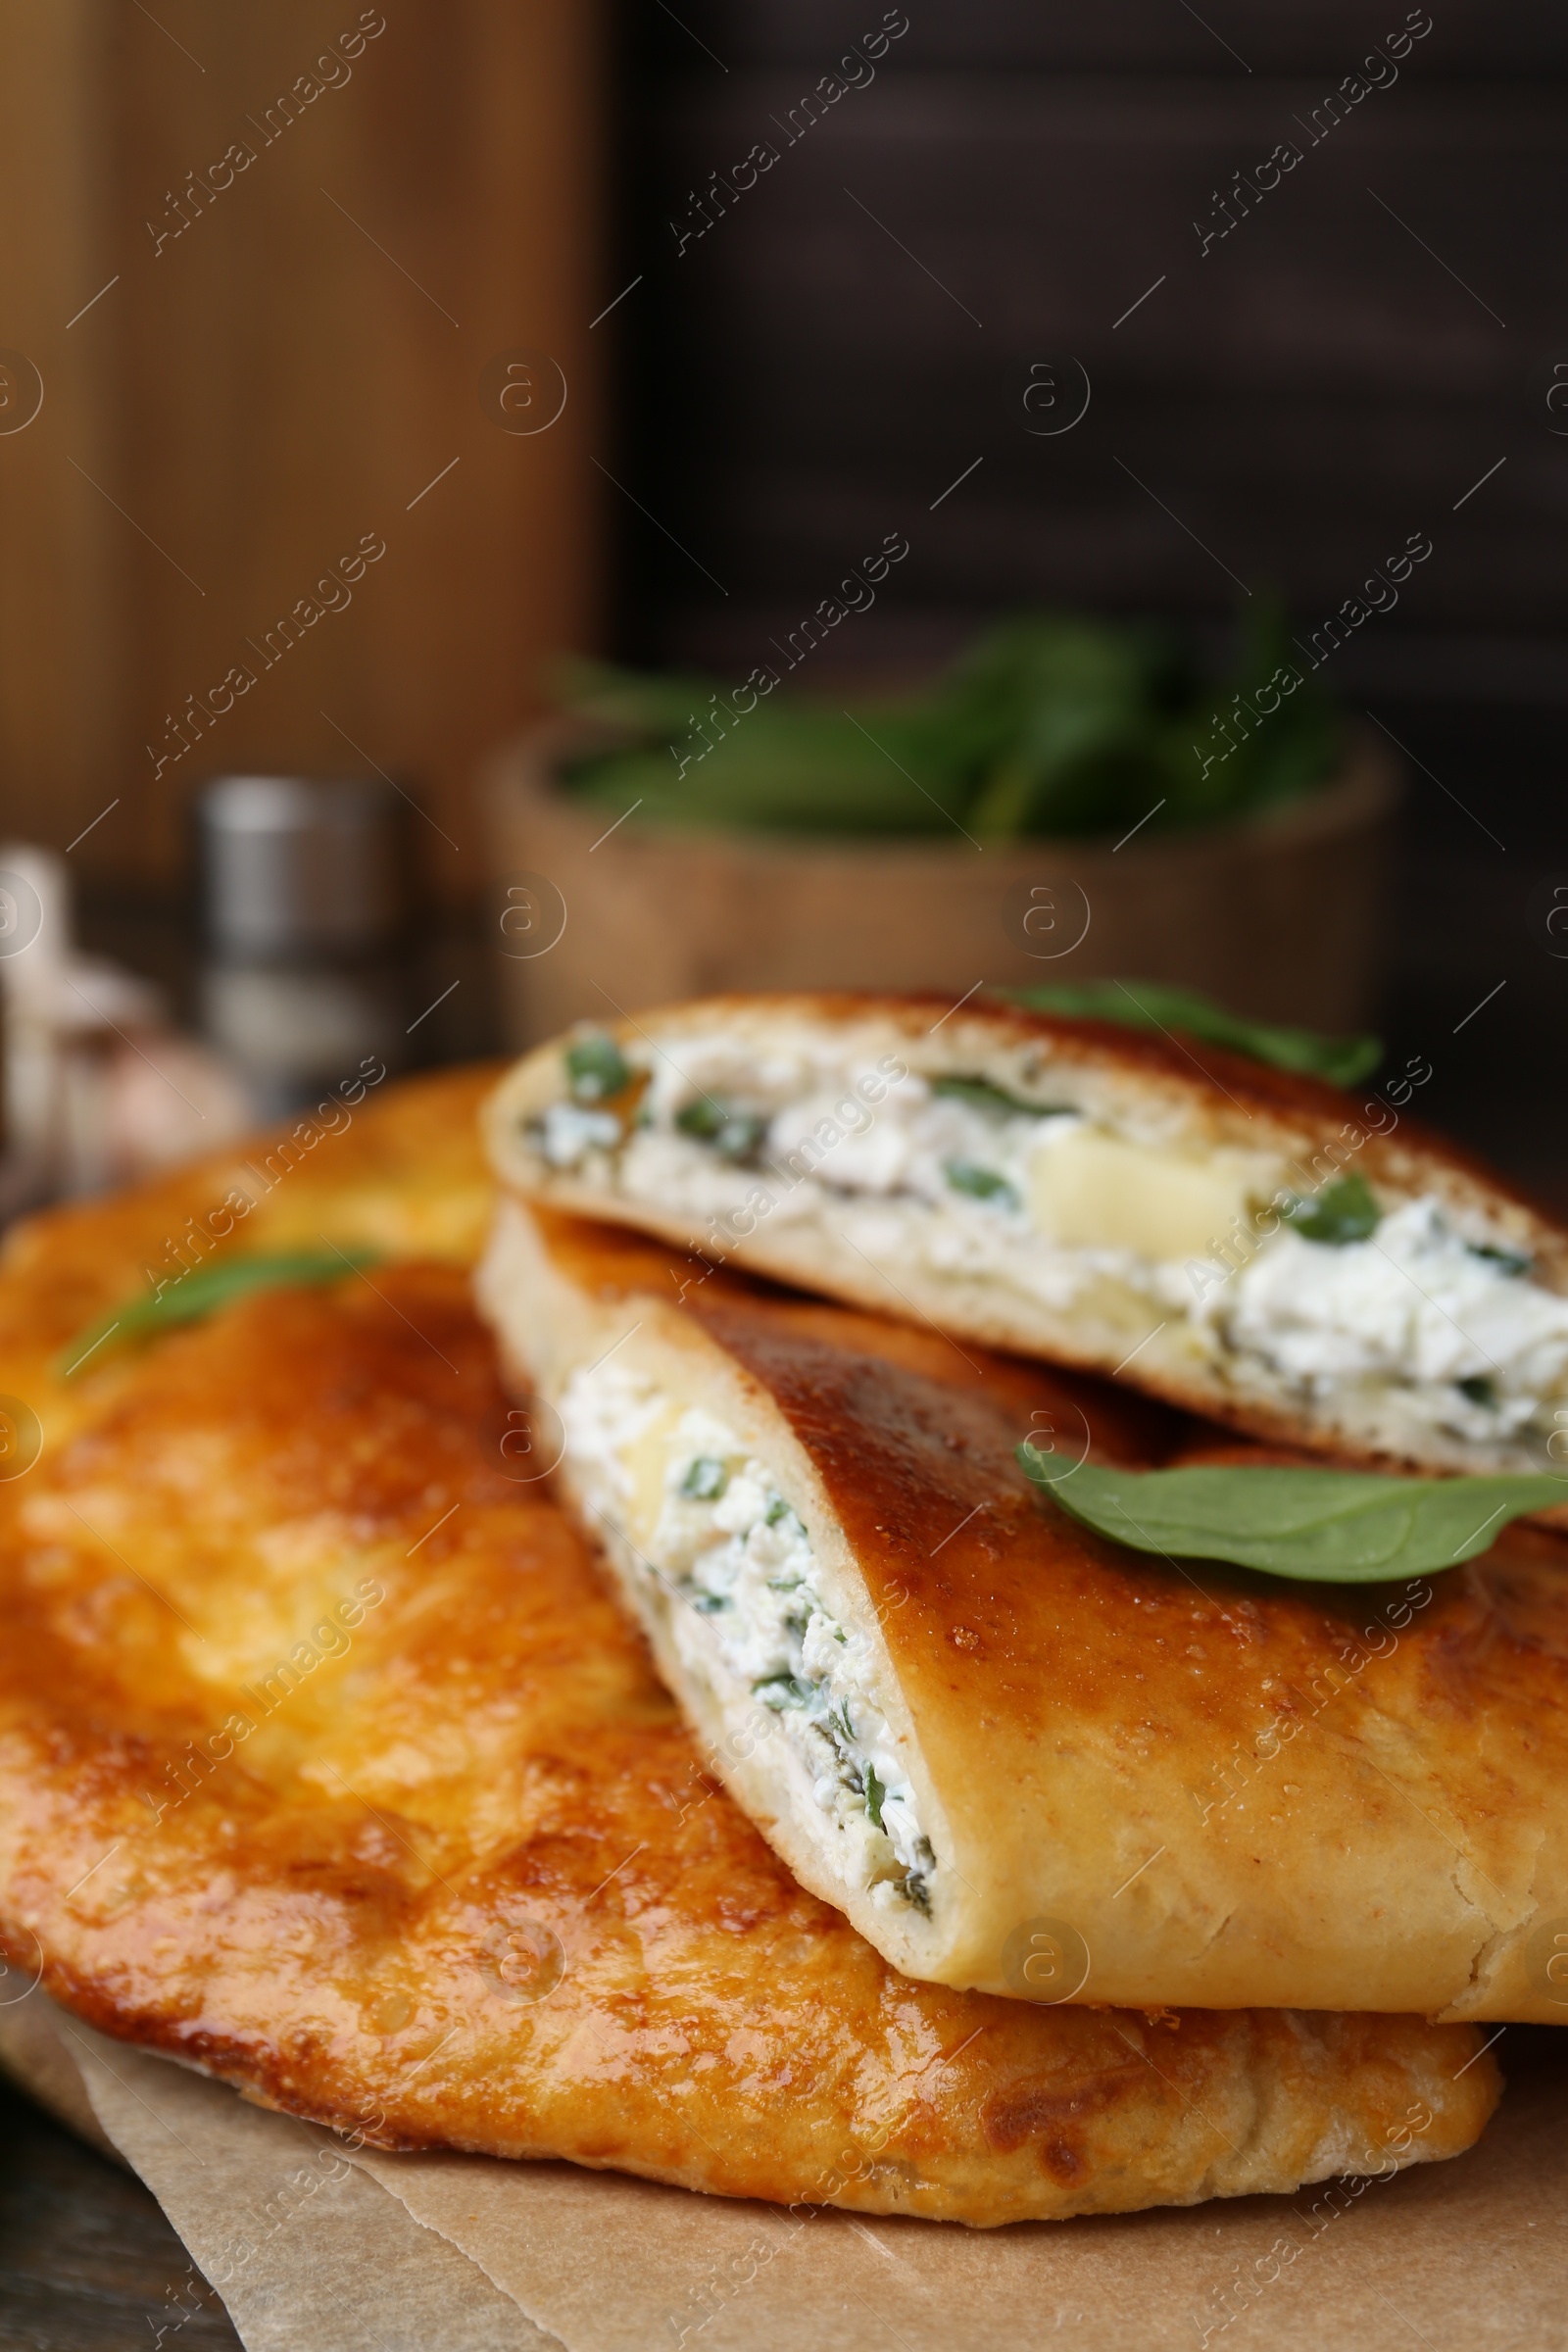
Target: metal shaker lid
(291, 867)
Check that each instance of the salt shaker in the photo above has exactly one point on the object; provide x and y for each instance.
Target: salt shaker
(303, 888)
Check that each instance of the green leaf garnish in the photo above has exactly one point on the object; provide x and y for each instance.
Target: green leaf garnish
(1327, 1526)
(875, 1795)
(1480, 1387)
(205, 1291)
(596, 1068)
(706, 1478)
(981, 1184)
(1343, 1211)
(1151, 1004)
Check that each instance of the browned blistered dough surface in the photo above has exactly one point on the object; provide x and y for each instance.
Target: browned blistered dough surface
(328, 1763)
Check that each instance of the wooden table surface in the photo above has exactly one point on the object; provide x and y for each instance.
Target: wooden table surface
(87, 2261)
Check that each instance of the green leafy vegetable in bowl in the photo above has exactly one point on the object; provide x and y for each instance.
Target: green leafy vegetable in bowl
(1048, 724)
(1328, 1527)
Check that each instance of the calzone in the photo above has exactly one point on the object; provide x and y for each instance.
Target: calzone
(1016, 1754)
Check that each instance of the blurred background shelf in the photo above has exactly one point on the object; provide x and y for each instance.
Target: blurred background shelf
(227, 412)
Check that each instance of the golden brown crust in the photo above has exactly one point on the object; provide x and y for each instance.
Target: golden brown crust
(300, 1518)
(1233, 1787)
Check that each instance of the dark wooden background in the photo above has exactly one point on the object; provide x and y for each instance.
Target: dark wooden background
(1315, 388)
(794, 384)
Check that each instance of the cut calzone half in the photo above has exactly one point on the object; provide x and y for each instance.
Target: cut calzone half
(1019, 1755)
(1301, 1264)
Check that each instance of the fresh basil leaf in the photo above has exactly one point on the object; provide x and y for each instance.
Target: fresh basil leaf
(596, 1068)
(1329, 1527)
(981, 1184)
(1152, 1005)
(204, 1293)
(1343, 1211)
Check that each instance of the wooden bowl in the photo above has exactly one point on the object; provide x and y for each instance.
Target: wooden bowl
(1278, 916)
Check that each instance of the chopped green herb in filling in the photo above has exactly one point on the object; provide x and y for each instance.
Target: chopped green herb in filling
(1508, 1261)
(734, 1134)
(915, 1885)
(1341, 1212)
(748, 1567)
(596, 1068)
(781, 1691)
(1480, 1387)
(981, 1184)
(981, 1094)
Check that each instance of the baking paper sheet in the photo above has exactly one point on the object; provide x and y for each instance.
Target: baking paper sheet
(347, 2251)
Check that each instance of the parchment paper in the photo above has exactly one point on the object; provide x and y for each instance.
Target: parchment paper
(347, 2251)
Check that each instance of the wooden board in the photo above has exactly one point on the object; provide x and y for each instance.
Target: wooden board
(87, 2261)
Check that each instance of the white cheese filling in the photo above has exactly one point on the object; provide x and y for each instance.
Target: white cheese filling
(1412, 1303)
(968, 1181)
(704, 1519)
